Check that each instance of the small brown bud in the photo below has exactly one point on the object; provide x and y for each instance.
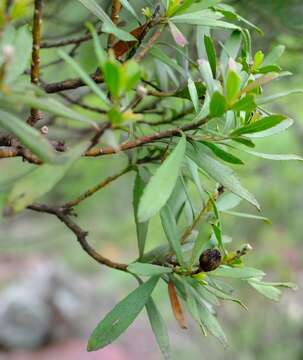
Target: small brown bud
(210, 260)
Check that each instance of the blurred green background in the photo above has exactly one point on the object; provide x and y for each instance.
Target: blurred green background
(268, 331)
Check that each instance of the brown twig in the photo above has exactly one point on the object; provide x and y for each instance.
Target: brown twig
(80, 234)
(140, 55)
(116, 7)
(96, 188)
(146, 139)
(65, 42)
(35, 66)
(69, 84)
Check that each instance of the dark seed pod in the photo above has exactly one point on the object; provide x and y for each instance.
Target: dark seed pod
(210, 260)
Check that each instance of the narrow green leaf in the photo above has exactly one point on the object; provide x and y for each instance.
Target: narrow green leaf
(40, 181)
(203, 18)
(200, 242)
(109, 26)
(262, 124)
(130, 9)
(113, 77)
(207, 75)
(171, 231)
(28, 136)
(228, 201)
(274, 55)
(212, 324)
(48, 104)
(147, 269)
(159, 54)
(217, 106)
(159, 328)
(244, 141)
(266, 290)
(247, 216)
(100, 52)
(141, 227)
(287, 285)
(279, 157)
(161, 185)
(283, 125)
(222, 154)
(84, 76)
(232, 86)
(268, 99)
(221, 173)
(211, 54)
(237, 273)
(193, 94)
(22, 53)
(231, 48)
(247, 103)
(121, 316)
(220, 294)
(132, 74)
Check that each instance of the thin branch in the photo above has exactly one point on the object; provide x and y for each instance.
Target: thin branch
(108, 150)
(66, 42)
(116, 7)
(35, 67)
(96, 188)
(69, 84)
(79, 103)
(146, 139)
(140, 55)
(80, 234)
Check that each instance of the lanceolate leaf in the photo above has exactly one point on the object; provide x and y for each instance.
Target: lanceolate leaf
(237, 273)
(193, 94)
(274, 55)
(161, 185)
(39, 181)
(141, 227)
(22, 48)
(233, 83)
(203, 18)
(171, 232)
(221, 173)
(28, 136)
(84, 76)
(48, 104)
(248, 216)
(279, 157)
(159, 54)
(108, 26)
(268, 291)
(121, 316)
(270, 98)
(211, 54)
(211, 324)
(217, 106)
(222, 154)
(260, 125)
(159, 328)
(130, 9)
(283, 125)
(148, 269)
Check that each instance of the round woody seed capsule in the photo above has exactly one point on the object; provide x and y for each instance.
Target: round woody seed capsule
(210, 260)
